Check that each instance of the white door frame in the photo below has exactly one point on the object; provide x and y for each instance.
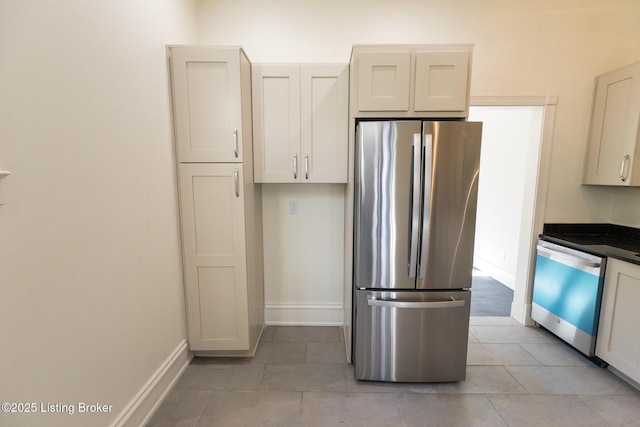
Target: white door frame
(537, 180)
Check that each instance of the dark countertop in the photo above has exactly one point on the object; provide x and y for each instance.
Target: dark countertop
(607, 240)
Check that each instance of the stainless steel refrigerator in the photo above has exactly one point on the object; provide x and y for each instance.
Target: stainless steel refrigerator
(416, 185)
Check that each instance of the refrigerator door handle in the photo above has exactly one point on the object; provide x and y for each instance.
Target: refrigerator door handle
(414, 221)
(426, 213)
(452, 303)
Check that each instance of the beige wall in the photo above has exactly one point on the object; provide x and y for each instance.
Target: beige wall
(91, 299)
(303, 253)
(521, 49)
(550, 47)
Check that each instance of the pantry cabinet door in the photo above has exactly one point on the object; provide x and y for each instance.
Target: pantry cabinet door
(206, 90)
(276, 123)
(214, 251)
(441, 81)
(324, 130)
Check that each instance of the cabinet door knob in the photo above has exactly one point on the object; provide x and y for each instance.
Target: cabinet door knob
(625, 159)
(235, 142)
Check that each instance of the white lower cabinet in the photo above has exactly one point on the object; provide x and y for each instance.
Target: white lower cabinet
(222, 258)
(618, 340)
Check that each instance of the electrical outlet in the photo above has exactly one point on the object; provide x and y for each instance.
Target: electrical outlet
(293, 207)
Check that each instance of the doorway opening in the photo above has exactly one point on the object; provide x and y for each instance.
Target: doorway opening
(510, 207)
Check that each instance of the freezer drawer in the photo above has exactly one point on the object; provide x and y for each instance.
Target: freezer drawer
(418, 336)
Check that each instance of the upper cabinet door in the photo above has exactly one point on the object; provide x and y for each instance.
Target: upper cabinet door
(207, 104)
(324, 131)
(384, 81)
(613, 136)
(441, 81)
(276, 122)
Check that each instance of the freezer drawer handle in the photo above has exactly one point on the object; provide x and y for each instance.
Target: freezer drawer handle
(565, 258)
(409, 304)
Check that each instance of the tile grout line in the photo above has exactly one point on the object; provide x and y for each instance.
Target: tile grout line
(491, 402)
(205, 407)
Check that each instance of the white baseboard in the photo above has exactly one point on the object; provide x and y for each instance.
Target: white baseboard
(635, 384)
(509, 280)
(522, 314)
(139, 411)
(304, 314)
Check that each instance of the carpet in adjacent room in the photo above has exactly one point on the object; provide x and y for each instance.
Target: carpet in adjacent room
(490, 297)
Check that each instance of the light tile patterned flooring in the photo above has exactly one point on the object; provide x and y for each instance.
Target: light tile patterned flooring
(516, 376)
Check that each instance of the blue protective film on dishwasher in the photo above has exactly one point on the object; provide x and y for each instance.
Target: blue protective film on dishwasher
(567, 292)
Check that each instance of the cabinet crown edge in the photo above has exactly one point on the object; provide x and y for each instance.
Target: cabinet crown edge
(620, 68)
(449, 47)
(231, 48)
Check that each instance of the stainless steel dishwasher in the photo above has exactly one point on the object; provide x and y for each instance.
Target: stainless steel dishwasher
(567, 293)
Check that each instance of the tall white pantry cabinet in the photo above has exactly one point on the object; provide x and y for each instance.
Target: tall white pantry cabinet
(220, 205)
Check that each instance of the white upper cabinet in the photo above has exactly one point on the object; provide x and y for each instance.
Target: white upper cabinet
(300, 118)
(411, 80)
(612, 153)
(209, 88)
